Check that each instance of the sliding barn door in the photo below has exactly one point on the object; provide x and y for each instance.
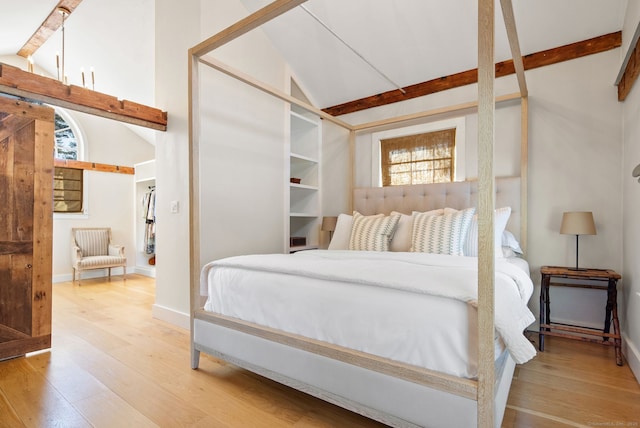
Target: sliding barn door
(26, 226)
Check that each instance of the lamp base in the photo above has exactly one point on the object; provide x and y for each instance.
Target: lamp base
(577, 269)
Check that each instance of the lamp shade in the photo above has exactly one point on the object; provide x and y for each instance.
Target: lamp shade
(578, 223)
(329, 224)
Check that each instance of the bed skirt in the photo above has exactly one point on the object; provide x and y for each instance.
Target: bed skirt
(374, 394)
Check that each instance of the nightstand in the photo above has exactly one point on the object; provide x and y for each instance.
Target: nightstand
(601, 279)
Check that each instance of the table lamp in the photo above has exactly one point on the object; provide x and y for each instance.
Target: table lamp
(329, 225)
(577, 223)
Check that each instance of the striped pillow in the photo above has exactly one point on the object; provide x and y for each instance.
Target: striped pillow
(443, 234)
(501, 217)
(372, 233)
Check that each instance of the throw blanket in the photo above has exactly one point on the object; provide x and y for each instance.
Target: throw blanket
(446, 276)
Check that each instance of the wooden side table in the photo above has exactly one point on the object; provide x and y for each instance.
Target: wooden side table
(594, 276)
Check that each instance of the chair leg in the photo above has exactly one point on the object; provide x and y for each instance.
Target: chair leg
(109, 274)
(74, 275)
(124, 273)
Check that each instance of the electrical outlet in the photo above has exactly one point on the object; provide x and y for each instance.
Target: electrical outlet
(174, 207)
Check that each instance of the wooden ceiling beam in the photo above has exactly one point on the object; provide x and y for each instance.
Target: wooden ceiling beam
(539, 59)
(631, 71)
(49, 26)
(94, 166)
(30, 86)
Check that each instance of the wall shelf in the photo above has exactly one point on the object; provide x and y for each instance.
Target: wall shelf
(304, 149)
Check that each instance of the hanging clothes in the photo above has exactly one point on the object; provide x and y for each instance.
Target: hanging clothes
(149, 210)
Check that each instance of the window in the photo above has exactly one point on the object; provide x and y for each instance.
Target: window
(67, 190)
(66, 141)
(427, 153)
(418, 159)
(68, 183)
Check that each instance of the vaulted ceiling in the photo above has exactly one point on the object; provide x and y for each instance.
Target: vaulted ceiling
(413, 41)
(409, 41)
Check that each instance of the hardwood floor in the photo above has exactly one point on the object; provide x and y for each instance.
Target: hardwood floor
(112, 365)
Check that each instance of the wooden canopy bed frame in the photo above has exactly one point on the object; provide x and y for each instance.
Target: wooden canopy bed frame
(485, 398)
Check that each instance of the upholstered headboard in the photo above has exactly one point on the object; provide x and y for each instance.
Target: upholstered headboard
(426, 197)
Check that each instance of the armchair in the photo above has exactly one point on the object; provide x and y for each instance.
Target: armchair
(91, 248)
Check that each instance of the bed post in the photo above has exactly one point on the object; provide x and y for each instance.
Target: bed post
(194, 205)
(486, 196)
(352, 160)
(524, 170)
(518, 65)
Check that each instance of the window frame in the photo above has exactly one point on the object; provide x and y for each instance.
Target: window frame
(458, 123)
(81, 151)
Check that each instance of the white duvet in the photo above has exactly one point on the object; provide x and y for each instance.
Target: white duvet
(412, 307)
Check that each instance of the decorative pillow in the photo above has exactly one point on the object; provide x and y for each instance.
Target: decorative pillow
(340, 238)
(441, 234)
(402, 238)
(501, 217)
(372, 233)
(509, 241)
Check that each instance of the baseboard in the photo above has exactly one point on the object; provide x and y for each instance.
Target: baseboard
(171, 316)
(632, 355)
(149, 271)
(90, 274)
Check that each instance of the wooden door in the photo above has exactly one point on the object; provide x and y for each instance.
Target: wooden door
(26, 226)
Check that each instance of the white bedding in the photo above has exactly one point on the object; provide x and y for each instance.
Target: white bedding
(411, 307)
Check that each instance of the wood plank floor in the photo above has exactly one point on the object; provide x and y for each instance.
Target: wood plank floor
(112, 365)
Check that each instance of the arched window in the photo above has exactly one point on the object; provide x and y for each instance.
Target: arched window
(67, 146)
(68, 183)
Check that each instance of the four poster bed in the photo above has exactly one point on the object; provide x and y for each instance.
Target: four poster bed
(395, 376)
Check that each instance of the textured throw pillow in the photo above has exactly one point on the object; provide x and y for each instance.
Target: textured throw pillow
(501, 217)
(401, 240)
(372, 233)
(441, 234)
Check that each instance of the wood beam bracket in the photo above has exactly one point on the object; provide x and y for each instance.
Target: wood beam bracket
(94, 166)
(33, 87)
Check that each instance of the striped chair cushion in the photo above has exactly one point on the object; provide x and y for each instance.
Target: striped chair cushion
(96, 262)
(93, 242)
(441, 234)
(372, 233)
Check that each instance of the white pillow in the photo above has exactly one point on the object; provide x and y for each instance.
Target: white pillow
(340, 238)
(372, 233)
(441, 234)
(509, 241)
(402, 238)
(501, 217)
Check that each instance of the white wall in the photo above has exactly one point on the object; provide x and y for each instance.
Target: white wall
(177, 29)
(336, 173)
(629, 294)
(575, 166)
(110, 200)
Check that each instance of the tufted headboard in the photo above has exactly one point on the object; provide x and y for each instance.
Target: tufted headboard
(426, 197)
